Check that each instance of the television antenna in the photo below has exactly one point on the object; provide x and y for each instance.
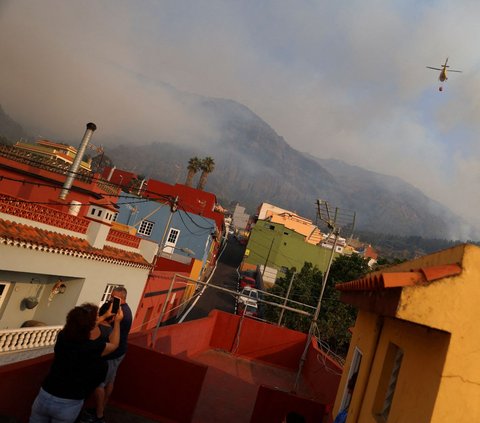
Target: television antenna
(334, 219)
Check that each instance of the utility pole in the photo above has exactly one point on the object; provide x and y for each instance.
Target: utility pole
(268, 255)
(332, 223)
(173, 209)
(286, 299)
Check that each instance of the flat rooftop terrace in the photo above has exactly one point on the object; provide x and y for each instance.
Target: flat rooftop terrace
(216, 369)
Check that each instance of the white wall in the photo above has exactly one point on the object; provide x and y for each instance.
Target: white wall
(85, 280)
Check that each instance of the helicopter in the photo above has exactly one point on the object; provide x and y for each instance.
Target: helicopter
(443, 72)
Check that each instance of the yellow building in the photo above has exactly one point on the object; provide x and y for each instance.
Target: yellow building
(299, 224)
(63, 152)
(415, 350)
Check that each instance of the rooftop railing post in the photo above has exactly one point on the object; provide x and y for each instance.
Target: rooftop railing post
(162, 312)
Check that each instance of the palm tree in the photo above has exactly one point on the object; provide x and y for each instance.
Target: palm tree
(193, 167)
(207, 165)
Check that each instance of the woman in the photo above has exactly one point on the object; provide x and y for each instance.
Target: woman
(77, 366)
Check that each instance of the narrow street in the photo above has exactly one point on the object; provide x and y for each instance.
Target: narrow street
(225, 276)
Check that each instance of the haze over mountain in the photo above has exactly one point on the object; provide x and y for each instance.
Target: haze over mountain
(254, 164)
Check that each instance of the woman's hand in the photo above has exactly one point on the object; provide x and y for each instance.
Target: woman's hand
(119, 315)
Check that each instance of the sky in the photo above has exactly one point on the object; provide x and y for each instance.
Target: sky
(344, 80)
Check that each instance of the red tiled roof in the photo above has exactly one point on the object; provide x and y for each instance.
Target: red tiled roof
(383, 280)
(30, 237)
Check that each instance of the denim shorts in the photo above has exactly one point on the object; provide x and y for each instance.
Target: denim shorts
(49, 408)
(112, 370)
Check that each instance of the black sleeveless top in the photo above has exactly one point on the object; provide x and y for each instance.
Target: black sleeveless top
(77, 369)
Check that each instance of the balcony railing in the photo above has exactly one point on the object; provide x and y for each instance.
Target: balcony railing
(23, 339)
(42, 214)
(123, 238)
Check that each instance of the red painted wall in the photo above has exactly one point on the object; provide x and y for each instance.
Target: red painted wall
(154, 295)
(165, 265)
(273, 405)
(322, 374)
(190, 199)
(19, 385)
(119, 177)
(158, 385)
(274, 345)
(44, 193)
(161, 388)
(187, 339)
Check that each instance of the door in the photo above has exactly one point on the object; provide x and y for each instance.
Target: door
(171, 241)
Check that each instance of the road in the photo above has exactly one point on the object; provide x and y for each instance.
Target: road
(225, 276)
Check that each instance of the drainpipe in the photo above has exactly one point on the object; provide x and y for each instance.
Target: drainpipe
(91, 127)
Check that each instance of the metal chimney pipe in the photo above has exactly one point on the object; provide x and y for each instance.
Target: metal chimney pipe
(78, 159)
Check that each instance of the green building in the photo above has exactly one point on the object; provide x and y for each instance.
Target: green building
(273, 245)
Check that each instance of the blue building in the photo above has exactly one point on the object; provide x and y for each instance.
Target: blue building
(177, 231)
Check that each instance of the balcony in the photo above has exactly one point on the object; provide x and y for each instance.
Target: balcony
(20, 344)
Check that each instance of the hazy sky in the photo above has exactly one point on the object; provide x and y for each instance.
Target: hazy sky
(336, 79)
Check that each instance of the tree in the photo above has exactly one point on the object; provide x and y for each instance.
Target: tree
(305, 289)
(193, 167)
(207, 165)
(335, 317)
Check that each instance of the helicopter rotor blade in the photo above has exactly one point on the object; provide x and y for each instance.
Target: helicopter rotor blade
(452, 70)
(429, 67)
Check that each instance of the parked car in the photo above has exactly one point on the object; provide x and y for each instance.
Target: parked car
(248, 294)
(248, 309)
(250, 273)
(246, 281)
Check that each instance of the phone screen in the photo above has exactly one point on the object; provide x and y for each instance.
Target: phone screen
(116, 304)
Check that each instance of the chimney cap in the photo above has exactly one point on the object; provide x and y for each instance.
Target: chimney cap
(91, 126)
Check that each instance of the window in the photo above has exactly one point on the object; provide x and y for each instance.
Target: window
(388, 382)
(114, 218)
(92, 212)
(99, 213)
(352, 379)
(172, 236)
(108, 291)
(145, 228)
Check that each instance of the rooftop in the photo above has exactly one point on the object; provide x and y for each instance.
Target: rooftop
(218, 369)
(20, 235)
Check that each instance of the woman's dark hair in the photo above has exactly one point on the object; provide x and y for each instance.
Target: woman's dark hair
(80, 321)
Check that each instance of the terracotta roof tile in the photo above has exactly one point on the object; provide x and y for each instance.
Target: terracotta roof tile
(24, 233)
(384, 280)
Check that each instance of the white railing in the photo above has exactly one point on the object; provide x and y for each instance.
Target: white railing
(28, 338)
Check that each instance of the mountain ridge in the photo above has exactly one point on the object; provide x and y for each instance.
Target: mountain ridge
(254, 164)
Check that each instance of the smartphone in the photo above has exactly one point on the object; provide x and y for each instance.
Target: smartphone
(116, 304)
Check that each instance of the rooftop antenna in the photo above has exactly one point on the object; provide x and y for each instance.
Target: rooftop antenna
(334, 220)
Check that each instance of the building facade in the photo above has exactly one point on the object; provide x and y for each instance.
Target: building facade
(414, 353)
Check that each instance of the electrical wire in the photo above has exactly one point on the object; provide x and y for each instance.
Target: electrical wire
(143, 199)
(189, 230)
